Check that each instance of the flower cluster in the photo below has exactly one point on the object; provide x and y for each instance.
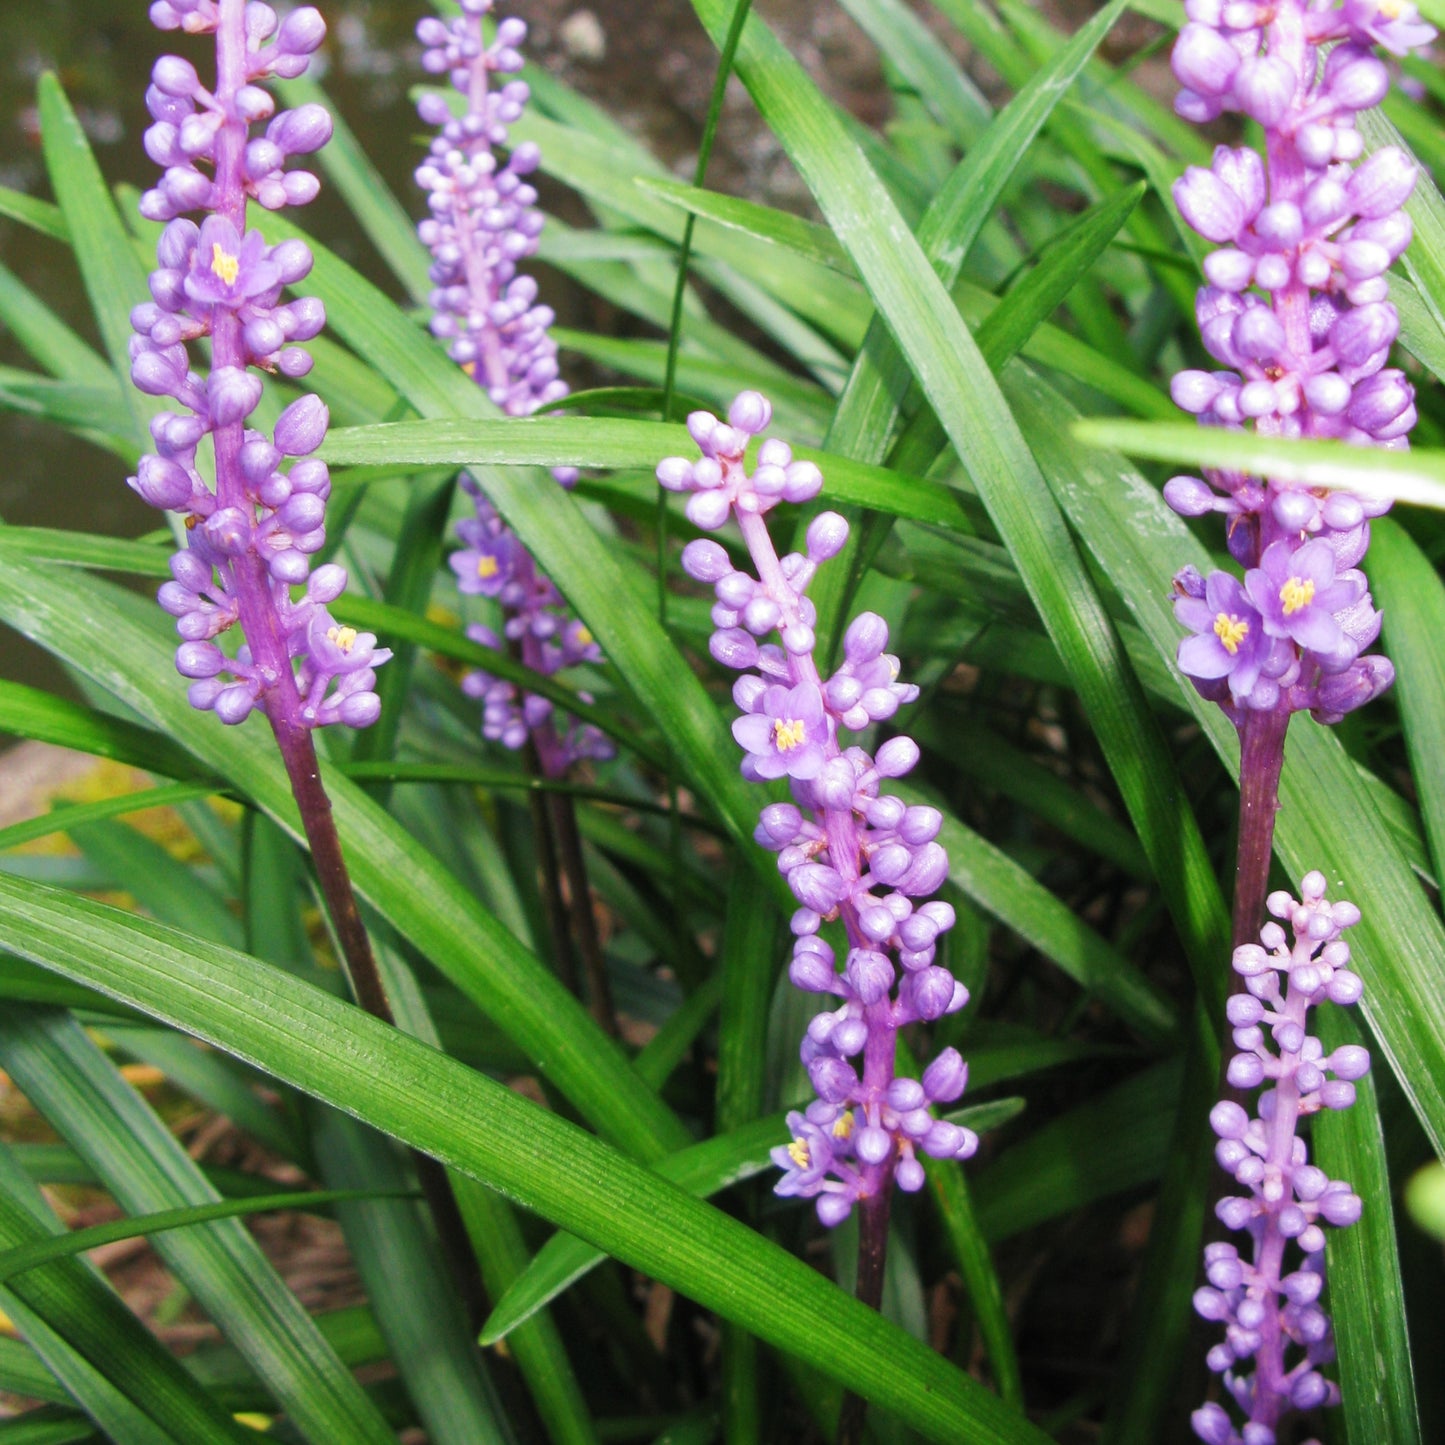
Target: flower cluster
(249, 540)
(495, 564)
(1297, 315)
(483, 215)
(848, 849)
(484, 221)
(1271, 1312)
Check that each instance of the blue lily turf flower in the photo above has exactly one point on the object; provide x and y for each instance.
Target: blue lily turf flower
(1230, 639)
(251, 535)
(1297, 594)
(484, 222)
(849, 850)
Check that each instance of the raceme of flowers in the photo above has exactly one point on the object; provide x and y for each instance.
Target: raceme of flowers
(483, 221)
(249, 540)
(1297, 315)
(1268, 1302)
(848, 849)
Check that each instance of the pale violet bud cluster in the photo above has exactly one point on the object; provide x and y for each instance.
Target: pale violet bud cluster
(1268, 1299)
(494, 564)
(1297, 314)
(249, 539)
(850, 850)
(484, 220)
(484, 217)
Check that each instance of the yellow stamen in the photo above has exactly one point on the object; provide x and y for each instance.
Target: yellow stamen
(585, 637)
(343, 637)
(225, 265)
(487, 566)
(798, 1153)
(1391, 9)
(1231, 631)
(843, 1125)
(1297, 593)
(789, 733)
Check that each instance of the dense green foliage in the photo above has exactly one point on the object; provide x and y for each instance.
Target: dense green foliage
(980, 281)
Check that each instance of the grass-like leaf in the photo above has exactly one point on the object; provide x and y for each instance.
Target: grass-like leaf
(1367, 1300)
(81, 1093)
(316, 1043)
(1412, 598)
(77, 1241)
(114, 279)
(128, 1383)
(420, 898)
(616, 444)
(28, 712)
(1415, 476)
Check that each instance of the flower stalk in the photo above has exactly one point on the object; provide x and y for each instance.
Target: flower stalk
(483, 222)
(1270, 1310)
(249, 539)
(853, 855)
(1296, 312)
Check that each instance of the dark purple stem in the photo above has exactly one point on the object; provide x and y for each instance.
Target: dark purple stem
(872, 1260)
(564, 960)
(578, 900)
(298, 752)
(1261, 759)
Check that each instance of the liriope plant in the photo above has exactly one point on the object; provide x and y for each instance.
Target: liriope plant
(1004, 783)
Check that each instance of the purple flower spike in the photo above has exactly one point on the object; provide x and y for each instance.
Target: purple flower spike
(848, 850)
(1298, 317)
(250, 539)
(484, 221)
(1267, 1302)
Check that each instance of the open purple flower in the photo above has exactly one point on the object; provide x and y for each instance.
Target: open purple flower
(486, 567)
(337, 649)
(1395, 24)
(227, 269)
(1297, 594)
(1230, 639)
(806, 1161)
(787, 737)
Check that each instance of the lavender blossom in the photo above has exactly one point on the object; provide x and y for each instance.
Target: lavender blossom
(249, 540)
(484, 221)
(1297, 315)
(848, 849)
(1268, 1305)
